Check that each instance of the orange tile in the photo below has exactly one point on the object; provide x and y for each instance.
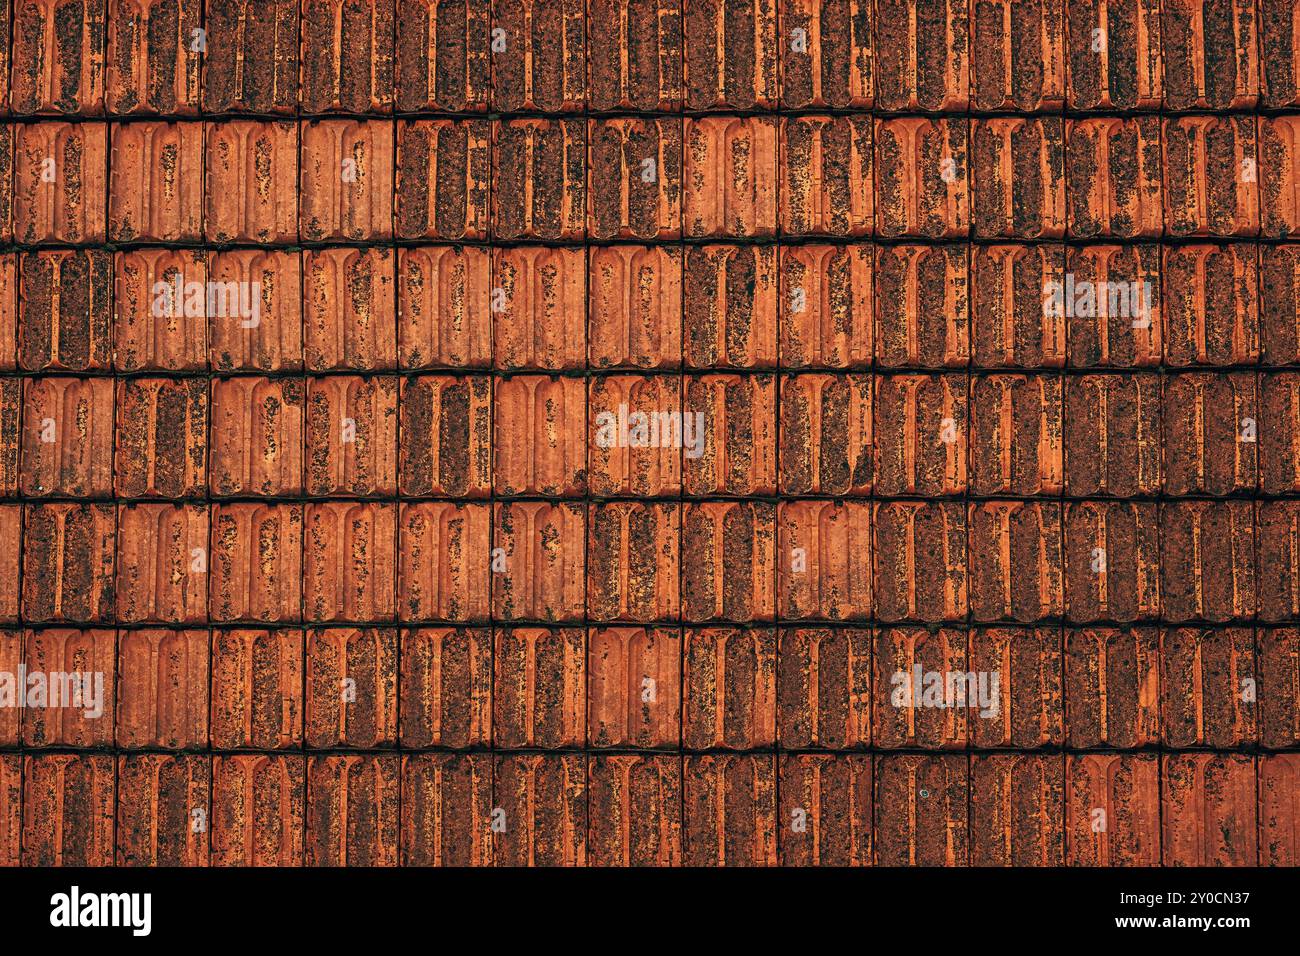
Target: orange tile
(162, 564)
(346, 180)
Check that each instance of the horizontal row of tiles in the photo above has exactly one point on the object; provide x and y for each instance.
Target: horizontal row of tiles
(733, 561)
(645, 308)
(652, 687)
(846, 434)
(1197, 809)
(650, 179)
(374, 56)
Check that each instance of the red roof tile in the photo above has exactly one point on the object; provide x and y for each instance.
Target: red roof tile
(633, 810)
(250, 181)
(347, 56)
(85, 718)
(823, 559)
(922, 306)
(443, 179)
(737, 444)
(1210, 55)
(539, 60)
(442, 56)
(731, 54)
(1112, 685)
(1116, 180)
(922, 56)
(730, 302)
(1203, 682)
(730, 810)
(251, 62)
(635, 57)
(443, 302)
(162, 564)
(825, 818)
(1016, 810)
(349, 561)
(162, 809)
(163, 691)
(352, 810)
(257, 437)
(545, 795)
(826, 176)
(539, 179)
(1112, 810)
(729, 680)
(633, 561)
(1112, 561)
(68, 552)
(538, 561)
(351, 687)
(1113, 56)
(730, 177)
(352, 435)
(823, 688)
(447, 810)
(634, 687)
(256, 563)
(1209, 810)
(68, 441)
(634, 307)
(1017, 55)
(446, 687)
(58, 57)
(257, 810)
(922, 178)
(1018, 177)
(728, 561)
(1028, 708)
(826, 317)
(833, 63)
(539, 687)
(920, 805)
(446, 421)
(257, 693)
(444, 561)
(635, 172)
(68, 809)
(537, 308)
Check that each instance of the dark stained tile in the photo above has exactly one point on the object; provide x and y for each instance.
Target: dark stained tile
(353, 814)
(540, 688)
(442, 56)
(347, 56)
(446, 687)
(635, 58)
(825, 817)
(730, 810)
(257, 810)
(543, 798)
(257, 692)
(163, 802)
(251, 61)
(446, 814)
(826, 60)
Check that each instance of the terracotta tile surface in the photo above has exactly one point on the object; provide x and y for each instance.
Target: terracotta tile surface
(632, 432)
